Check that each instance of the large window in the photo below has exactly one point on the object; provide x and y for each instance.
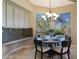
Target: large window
(62, 22)
(41, 24)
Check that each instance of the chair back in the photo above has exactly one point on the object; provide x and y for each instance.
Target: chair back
(66, 45)
(37, 43)
(67, 37)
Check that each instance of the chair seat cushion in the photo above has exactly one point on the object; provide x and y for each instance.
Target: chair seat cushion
(58, 49)
(45, 48)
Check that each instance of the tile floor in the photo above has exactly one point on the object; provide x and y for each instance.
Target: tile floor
(29, 54)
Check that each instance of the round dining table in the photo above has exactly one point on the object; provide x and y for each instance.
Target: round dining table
(51, 40)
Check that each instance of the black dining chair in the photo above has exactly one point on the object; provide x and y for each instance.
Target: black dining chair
(67, 37)
(64, 49)
(40, 48)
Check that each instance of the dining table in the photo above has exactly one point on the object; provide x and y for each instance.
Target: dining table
(51, 39)
(48, 39)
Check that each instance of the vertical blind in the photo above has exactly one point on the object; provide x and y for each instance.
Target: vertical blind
(16, 16)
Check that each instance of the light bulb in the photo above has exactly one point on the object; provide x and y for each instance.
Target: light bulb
(45, 19)
(50, 15)
(47, 13)
(43, 16)
(55, 18)
(56, 15)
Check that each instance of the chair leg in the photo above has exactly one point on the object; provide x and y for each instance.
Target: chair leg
(35, 55)
(61, 56)
(68, 56)
(52, 55)
(69, 52)
(41, 55)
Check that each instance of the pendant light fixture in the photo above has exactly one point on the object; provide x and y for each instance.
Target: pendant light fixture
(49, 14)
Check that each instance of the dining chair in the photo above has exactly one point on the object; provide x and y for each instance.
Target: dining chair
(40, 48)
(67, 37)
(64, 49)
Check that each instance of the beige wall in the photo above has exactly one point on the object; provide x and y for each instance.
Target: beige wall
(33, 22)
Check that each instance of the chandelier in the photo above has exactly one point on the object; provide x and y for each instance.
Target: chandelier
(50, 15)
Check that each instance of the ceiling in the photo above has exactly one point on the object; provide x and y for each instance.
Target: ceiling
(54, 3)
